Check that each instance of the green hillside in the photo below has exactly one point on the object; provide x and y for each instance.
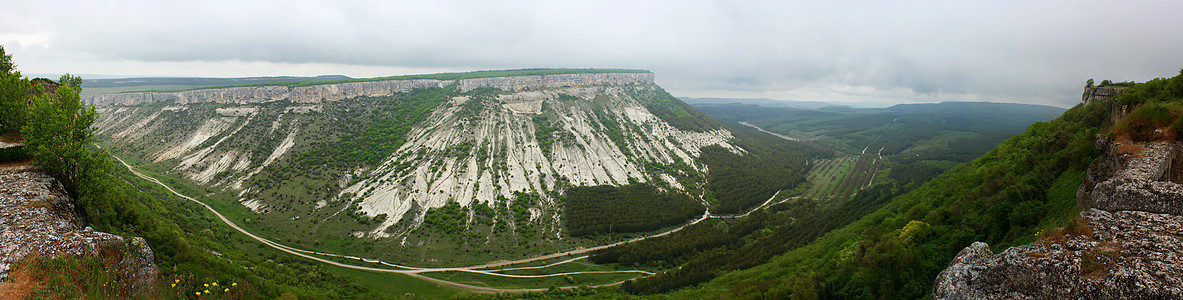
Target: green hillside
(1024, 186)
(905, 144)
(955, 131)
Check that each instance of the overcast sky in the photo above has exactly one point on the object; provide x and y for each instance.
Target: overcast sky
(837, 51)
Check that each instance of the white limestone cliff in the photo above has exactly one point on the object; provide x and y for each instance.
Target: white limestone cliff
(453, 155)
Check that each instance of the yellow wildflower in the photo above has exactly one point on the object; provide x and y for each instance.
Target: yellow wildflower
(177, 281)
(207, 291)
(197, 293)
(227, 290)
(206, 285)
(174, 285)
(215, 283)
(234, 284)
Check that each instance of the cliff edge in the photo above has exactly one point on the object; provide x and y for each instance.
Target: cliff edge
(1130, 246)
(37, 218)
(339, 91)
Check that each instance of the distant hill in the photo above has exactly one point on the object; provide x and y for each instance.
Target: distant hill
(767, 102)
(1009, 110)
(759, 101)
(963, 129)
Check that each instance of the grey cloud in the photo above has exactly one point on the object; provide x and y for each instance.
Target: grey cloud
(1029, 50)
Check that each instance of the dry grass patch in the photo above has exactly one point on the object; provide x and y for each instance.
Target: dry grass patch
(1075, 227)
(1100, 260)
(21, 282)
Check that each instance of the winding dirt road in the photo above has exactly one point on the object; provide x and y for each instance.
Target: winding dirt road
(477, 269)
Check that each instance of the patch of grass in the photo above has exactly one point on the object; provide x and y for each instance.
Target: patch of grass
(533, 283)
(1100, 260)
(68, 276)
(396, 286)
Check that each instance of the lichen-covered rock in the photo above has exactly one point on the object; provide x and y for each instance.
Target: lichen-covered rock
(37, 217)
(1131, 202)
(1037, 271)
(139, 263)
(1138, 181)
(1131, 255)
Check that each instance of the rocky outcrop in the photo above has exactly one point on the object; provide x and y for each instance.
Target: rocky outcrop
(1103, 94)
(1140, 181)
(338, 91)
(38, 218)
(1131, 255)
(1106, 96)
(1131, 247)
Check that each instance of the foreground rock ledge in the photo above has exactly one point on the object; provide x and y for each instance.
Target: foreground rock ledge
(37, 218)
(1132, 255)
(1132, 202)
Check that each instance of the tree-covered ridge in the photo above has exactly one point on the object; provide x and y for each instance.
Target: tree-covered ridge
(1026, 184)
(198, 81)
(952, 131)
(438, 76)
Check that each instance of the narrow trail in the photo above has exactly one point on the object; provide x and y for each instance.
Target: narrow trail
(416, 272)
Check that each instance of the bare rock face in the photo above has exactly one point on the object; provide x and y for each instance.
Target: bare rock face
(1132, 255)
(1105, 94)
(1140, 181)
(338, 91)
(1134, 251)
(38, 218)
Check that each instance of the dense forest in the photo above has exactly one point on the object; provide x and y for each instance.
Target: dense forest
(1024, 186)
(629, 208)
(738, 182)
(952, 131)
(707, 249)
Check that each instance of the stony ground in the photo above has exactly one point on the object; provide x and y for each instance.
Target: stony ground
(37, 217)
(1130, 247)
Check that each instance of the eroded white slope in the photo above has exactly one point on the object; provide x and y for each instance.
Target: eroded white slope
(504, 156)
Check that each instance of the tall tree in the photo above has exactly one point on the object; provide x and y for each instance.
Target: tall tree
(13, 92)
(59, 134)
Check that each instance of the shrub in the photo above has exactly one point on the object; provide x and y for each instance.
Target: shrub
(1142, 122)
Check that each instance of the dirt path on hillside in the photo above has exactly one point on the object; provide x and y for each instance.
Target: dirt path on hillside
(417, 271)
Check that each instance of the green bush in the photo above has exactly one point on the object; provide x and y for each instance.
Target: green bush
(1142, 122)
(13, 154)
